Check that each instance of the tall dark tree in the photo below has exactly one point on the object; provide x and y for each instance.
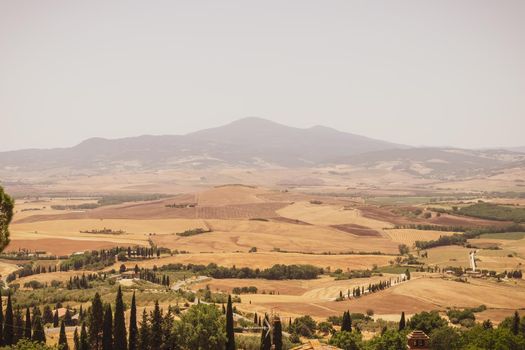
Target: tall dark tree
(96, 318)
(47, 316)
(346, 324)
(55, 319)
(156, 328)
(119, 330)
(27, 326)
(402, 322)
(81, 314)
(230, 335)
(18, 325)
(76, 340)
(133, 331)
(266, 339)
(277, 334)
(167, 330)
(62, 339)
(68, 318)
(9, 330)
(39, 335)
(84, 339)
(515, 323)
(107, 329)
(144, 333)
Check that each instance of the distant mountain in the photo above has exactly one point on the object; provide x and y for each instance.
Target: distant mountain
(248, 141)
(257, 142)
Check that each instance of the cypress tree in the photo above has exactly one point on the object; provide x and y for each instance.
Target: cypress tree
(107, 329)
(47, 317)
(515, 323)
(119, 329)
(156, 328)
(143, 343)
(55, 319)
(266, 341)
(36, 312)
(402, 322)
(167, 328)
(68, 318)
(9, 330)
(133, 324)
(38, 330)
(84, 340)
(27, 327)
(62, 339)
(230, 335)
(76, 339)
(18, 326)
(346, 324)
(277, 334)
(96, 319)
(255, 318)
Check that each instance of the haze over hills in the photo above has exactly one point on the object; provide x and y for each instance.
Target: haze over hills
(248, 141)
(259, 142)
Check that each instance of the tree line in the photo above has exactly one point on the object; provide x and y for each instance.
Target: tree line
(276, 272)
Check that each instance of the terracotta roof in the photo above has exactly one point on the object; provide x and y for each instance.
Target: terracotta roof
(417, 335)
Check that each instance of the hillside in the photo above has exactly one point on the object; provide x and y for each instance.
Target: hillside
(249, 141)
(256, 142)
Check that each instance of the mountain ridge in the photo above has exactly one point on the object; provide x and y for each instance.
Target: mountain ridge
(257, 142)
(243, 141)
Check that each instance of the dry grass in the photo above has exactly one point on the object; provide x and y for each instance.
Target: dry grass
(458, 257)
(325, 215)
(268, 259)
(423, 292)
(136, 232)
(410, 236)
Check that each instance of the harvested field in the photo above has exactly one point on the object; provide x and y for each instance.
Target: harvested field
(410, 236)
(326, 215)
(357, 230)
(289, 221)
(422, 293)
(488, 259)
(135, 231)
(57, 246)
(230, 195)
(268, 259)
(158, 210)
(235, 235)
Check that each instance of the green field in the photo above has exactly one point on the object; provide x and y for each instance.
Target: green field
(494, 212)
(504, 235)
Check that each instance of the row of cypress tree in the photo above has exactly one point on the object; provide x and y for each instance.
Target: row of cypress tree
(13, 327)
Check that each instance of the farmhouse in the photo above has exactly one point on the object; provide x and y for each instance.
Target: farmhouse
(418, 340)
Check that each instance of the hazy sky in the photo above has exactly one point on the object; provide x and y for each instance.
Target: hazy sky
(415, 72)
